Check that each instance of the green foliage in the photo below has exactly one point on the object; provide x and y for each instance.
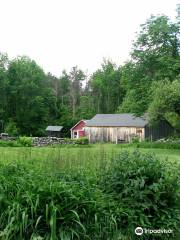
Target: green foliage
(146, 189)
(132, 103)
(25, 141)
(66, 120)
(106, 88)
(20, 142)
(11, 128)
(3, 88)
(76, 77)
(135, 140)
(155, 57)
(81, 141)
(51, 207)
(77, 141)
(166, 102)
(4, 143)
(165, 145)
(85, 110)
(174, 119)
(29, 97)
(82, 193)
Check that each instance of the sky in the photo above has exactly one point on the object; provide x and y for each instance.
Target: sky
(60, 34)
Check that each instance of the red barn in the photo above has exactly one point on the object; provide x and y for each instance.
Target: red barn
(77, 130)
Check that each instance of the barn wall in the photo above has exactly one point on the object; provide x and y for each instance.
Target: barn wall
(79, 126)
(112, 134)
(161, 130)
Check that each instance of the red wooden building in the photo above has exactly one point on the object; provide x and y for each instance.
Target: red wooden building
(78, 130)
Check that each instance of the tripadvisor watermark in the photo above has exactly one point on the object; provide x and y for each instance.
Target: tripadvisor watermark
(139, 231)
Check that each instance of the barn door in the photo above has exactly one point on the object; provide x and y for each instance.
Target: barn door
(105, 135)
(139, 133)
(122, 135)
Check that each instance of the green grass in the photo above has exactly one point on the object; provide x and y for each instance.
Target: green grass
(60, 192)
(76, 156)
(55, 159)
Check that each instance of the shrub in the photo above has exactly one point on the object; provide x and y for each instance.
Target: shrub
(158, 145)
(81, 141)
(135, 140)
(9, 143)
(25, 141)
(146, 189)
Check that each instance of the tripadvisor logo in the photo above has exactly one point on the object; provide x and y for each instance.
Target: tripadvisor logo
(138, 231)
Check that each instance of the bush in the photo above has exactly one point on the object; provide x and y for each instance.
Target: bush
(81, 141)
(135, 140)
(25, 141)
(146, 190)
(165, 145)
(9, 143)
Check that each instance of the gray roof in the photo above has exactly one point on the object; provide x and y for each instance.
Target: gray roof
(54, 128)
(87, 121)
(117, 120)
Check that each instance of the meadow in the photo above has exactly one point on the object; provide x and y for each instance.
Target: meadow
(100, 191)
(77, 156)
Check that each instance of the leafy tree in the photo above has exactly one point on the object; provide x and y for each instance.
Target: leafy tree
(133, 103)
(29, 97)
(105, 88)
(86, 110)
(166, 102)
(76, 77)
(11, 128)
(155, 56)
(66, 120)
(64, 89)
(3, 86)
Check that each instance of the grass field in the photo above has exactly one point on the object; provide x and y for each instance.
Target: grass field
(77, 156)
(73, 192)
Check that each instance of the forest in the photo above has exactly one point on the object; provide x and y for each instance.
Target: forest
(149, 82)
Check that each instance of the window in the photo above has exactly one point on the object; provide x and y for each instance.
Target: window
(75, 134)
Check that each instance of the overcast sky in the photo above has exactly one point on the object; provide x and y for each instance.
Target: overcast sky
(59, 34)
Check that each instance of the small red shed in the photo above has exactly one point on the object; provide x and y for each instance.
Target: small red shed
(77, 130)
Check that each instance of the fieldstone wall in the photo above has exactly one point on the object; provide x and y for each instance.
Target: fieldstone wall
(4, 138)
(45, 141)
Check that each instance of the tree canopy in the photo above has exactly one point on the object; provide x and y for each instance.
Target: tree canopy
(149, 82)
(166, 102)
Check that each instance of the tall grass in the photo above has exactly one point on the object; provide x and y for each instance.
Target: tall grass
(51, 206)
(85, 193)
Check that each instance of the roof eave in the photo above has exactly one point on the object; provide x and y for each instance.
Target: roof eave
(114, 126)
(77, 124)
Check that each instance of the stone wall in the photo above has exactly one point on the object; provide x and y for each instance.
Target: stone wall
(45, 141)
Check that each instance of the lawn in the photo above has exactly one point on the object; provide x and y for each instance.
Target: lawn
(74, 156)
